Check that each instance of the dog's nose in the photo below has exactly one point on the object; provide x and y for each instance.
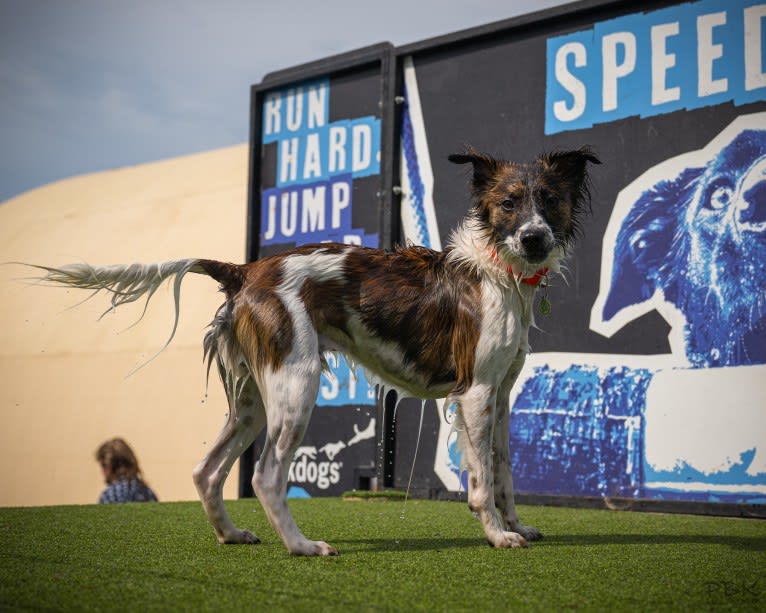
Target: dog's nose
(534, 241)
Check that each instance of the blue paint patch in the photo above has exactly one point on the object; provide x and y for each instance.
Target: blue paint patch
(295, 110)
(417, 195)
(348, 147)
(312, 213)
(344, 386)
(579, 431)
(297, 492)
(685, 482)
(686, 56)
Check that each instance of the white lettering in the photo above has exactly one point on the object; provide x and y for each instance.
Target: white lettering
(341, 198)
(614, 70)
(312, 216)
(337, 161)
(271, 214)
(351, 374)
(569, 82)
(272, 116)
(288, 159)
(352, 239)
(754, 75)
(661, 62)
(312, 163)
(316, 106)
(322, 474)
(329, 392)
(361, 147)
(707, 53)
(294, 109)
(289, 213)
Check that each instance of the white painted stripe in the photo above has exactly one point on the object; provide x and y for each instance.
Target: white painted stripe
(707, 487)
(424, 163)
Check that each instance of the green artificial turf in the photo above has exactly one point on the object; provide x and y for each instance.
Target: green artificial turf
(432, 557)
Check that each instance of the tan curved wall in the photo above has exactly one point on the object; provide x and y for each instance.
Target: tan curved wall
(63, 385)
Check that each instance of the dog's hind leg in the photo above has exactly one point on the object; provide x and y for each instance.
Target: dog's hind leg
(502, 467)
(290, 394)
(245, 420)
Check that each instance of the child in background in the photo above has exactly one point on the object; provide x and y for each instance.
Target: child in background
(122, 474)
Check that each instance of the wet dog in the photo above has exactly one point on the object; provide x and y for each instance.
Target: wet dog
(430, 324)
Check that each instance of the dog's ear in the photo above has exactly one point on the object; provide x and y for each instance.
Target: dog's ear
(484, 166)
(571, 169)
(571, 163)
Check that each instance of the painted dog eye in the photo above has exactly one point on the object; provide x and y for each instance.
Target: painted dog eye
(720, 198)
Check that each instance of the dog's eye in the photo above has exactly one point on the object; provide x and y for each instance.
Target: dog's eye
(551, 201)
(508, 204)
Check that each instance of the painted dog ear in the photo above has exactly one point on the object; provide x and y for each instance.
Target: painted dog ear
(484, 166)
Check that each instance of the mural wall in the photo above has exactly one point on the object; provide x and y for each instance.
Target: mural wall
(682, 257)
(320, 157)
(647, 379)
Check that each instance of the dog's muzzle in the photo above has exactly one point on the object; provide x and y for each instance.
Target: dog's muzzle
(536, 243)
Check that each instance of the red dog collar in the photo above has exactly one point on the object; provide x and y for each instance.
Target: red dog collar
(534, 280)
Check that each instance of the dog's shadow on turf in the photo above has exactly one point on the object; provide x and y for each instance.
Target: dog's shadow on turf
(756, 543)
(354, 546)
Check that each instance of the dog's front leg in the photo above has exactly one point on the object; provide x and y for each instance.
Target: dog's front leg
(502, 466)
(477, 411)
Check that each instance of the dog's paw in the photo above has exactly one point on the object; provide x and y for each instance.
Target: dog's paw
(323, 549)
(313, 548)
(239, 537)
(528, 532)
(508, 540)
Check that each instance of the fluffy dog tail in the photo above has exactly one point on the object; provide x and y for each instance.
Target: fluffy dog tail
(128, 283)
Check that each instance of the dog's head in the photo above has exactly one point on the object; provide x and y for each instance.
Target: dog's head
(697, 241)
(530, 212)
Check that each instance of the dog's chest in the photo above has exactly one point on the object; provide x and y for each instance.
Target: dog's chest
(506, 317)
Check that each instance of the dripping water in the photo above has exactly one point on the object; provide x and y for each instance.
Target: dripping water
(414, 459)
(381, 453)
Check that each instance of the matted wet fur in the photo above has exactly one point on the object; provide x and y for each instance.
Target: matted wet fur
(430, 324)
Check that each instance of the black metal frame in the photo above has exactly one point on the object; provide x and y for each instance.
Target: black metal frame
(384, 56)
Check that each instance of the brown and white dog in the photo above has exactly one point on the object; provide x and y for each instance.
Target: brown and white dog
(431, 324)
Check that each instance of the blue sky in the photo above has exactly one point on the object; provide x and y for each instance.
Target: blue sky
(87, 85)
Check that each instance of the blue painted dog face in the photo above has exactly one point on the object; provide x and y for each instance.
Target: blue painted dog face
(696, 242)
(727, 257)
